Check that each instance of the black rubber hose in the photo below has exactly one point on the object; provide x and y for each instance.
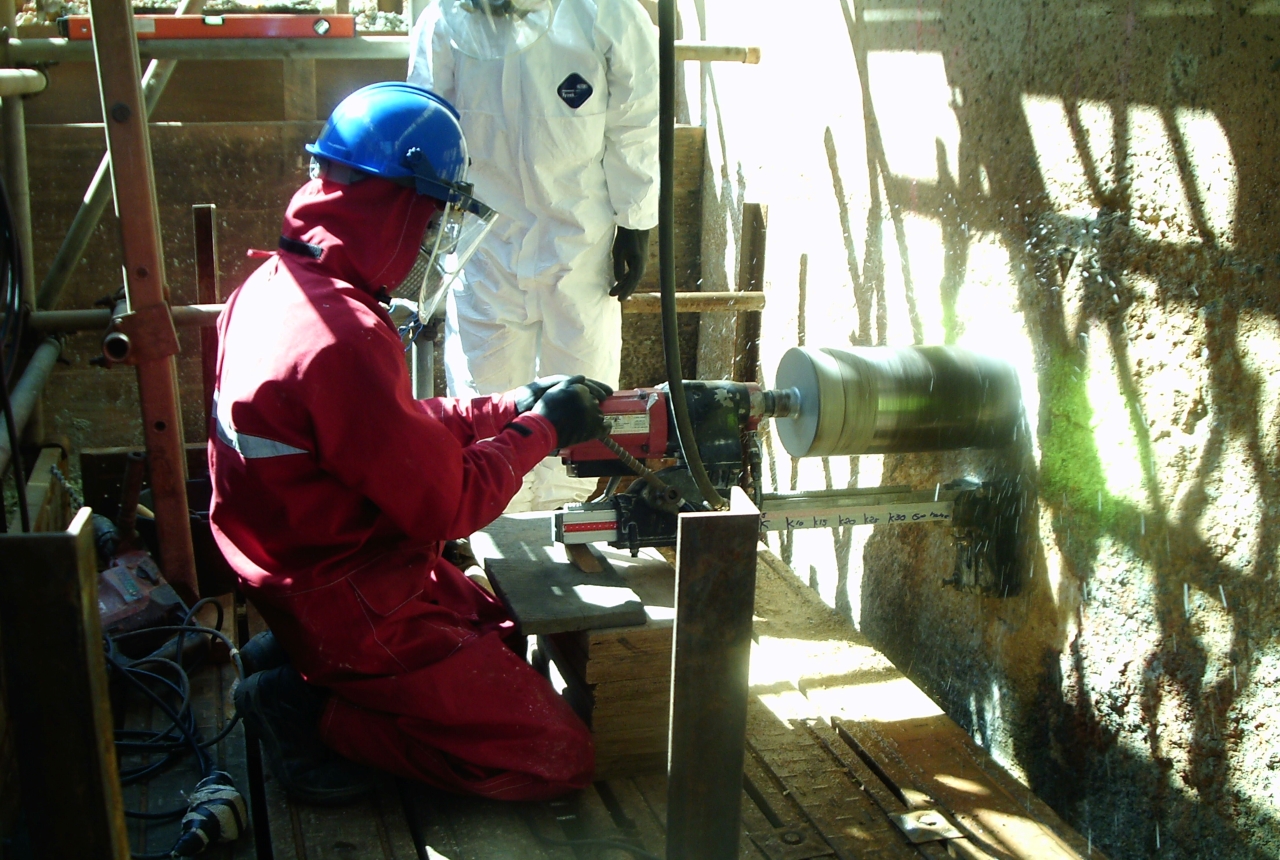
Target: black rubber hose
(667, 254)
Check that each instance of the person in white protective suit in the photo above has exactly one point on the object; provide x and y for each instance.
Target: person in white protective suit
(559, 104)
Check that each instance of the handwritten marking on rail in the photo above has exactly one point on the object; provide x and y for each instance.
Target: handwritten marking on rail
(884, 514)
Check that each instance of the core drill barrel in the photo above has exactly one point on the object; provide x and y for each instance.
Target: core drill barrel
(883, 400)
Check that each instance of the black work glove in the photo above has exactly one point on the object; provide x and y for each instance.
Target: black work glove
(527, 395)
(573, 407)
(630, 256)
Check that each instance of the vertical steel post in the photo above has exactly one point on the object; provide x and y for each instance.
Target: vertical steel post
(133, 183)
(423, 354)
(205, 227)
(16, 178)
(710, 656)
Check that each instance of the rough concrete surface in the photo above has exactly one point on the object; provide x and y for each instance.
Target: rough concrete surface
(1085, 190)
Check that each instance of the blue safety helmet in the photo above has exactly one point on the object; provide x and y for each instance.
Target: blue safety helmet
(403, 133)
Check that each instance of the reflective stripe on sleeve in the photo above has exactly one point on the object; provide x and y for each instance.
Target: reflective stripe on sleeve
(248, 446)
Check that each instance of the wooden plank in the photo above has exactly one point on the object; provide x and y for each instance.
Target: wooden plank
(10, 792)
(642, 356)
(634, 816)
(299, 89)
(653, 789)
(845, 815)
(137, 715)
(283, 822)
(546, 596)
(774, 821)
(939, 759)
(628, 710)
(374, 828)
(585, 816)
(728, 341)
(48, 508)
(689, 163)
(432, 831)
(473, 828)
(652, 792)
(746, 353)
(53, 645)
(248, 91)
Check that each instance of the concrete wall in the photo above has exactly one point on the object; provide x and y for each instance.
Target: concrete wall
(1086, 190)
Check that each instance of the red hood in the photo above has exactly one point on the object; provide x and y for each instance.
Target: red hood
(369, 232)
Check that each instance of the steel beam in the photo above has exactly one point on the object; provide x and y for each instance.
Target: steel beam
(710, 657)
(31, 51)
(133, 181)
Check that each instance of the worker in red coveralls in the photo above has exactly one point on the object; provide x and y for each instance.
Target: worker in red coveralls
(335, 490)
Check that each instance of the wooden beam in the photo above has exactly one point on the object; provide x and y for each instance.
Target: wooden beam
(692, 303)
(206, 314)
(299, 89)
(728, 337)
(746, 353)
(47, 503)
(53, 655)
(32, 51)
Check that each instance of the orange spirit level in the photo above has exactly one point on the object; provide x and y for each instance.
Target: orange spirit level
(77, 27)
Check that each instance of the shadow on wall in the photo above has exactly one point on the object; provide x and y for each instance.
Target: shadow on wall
(1122, 155)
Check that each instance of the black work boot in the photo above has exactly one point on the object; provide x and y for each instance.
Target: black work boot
(262, 652)
(284, 712)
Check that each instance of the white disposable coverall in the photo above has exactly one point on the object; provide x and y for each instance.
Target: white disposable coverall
(563, 140)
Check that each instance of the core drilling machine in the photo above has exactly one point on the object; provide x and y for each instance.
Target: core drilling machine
(825, 402)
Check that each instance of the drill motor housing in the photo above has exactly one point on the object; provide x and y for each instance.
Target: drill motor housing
(725, 416)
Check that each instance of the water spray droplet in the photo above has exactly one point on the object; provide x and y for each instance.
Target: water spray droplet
(1142, 524)
(1223, 595)
(1186, 599)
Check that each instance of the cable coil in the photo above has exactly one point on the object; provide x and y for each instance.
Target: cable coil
(215, 811)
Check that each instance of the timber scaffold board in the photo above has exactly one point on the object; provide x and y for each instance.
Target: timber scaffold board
(838, 743)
